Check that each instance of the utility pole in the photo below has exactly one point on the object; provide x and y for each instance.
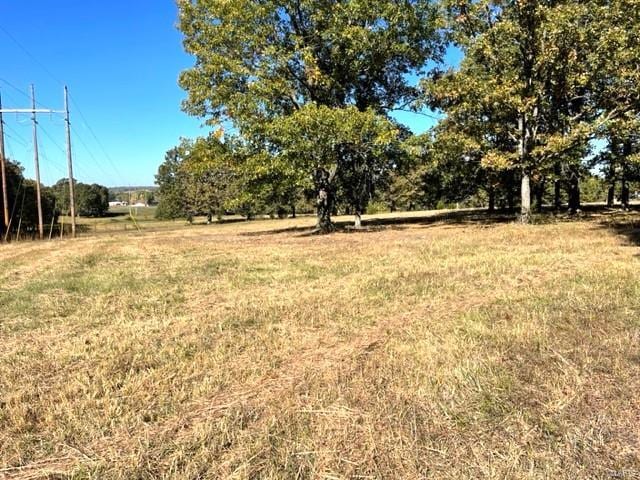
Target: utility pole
(3, 173)
(72, 196)
(37, 163)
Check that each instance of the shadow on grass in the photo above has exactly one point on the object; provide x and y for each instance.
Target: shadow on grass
(623, 223)
(375, 224)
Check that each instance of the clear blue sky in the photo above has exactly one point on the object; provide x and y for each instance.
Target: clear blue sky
(121, 60)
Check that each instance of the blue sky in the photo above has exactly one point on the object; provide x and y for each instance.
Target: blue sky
(121, 61)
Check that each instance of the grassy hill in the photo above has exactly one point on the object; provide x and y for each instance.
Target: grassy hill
(428, 347)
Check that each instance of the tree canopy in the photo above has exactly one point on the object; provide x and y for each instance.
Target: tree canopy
(265, 66)
(301, 99)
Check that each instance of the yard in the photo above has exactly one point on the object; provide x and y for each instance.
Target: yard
(451, 347)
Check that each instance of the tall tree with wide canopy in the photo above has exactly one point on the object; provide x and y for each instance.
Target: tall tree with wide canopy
(258, 63)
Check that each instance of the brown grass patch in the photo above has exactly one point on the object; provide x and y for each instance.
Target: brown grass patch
(412, 351)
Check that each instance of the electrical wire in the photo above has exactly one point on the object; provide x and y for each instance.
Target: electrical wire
(24, 49)
(97, 140)
(74, 102)
(20, 91)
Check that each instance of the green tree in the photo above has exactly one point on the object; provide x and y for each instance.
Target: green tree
(328, 140)
(261, 64)
(617, 23)
(208, 178)
(272, 181)
(22, 200)
(620, 160)
(196, 178)
(170, 189)
(519, 99)
(91, 200)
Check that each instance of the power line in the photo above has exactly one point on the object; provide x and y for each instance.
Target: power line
(6, 94)
(82, 116)
(20, 91)
(16, 136)
(24, 49)
(58, 146)
(21, 139)
(97, 140)
(62, 150)
(17, 139)
(54, 165)
(89, 152)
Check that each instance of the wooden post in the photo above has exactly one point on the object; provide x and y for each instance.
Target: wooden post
(37, 163)
(72, 196)
(3, 174)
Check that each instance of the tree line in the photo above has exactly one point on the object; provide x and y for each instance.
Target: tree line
(92, 200)
(301, 97)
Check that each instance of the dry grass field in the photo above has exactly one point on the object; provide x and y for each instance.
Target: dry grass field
(446, 349)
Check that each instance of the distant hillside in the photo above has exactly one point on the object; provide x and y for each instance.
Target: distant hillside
(133, 189)
(131, 195)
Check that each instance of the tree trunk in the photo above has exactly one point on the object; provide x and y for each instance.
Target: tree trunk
(293, 211)
(525, 205)
(525, 185)
(492, 199)
(357, 221)
(540, 195)
(611, 192)
(574, 194)
(324, 202)
(624, 194)
(324, 225)
(557, 188)
(511, 199)
(557, 195)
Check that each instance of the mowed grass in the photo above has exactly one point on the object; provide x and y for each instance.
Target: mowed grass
(451, 350)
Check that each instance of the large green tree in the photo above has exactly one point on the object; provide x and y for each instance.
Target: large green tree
(521, 99)
(259, 64)
(617, 24)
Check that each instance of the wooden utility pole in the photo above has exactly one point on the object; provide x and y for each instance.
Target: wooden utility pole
(36, 163)
(72, 196)
(3, 174)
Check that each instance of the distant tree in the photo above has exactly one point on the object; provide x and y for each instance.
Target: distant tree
(268, 182)
(362, 148)
(23, 204)
(196, 178)
(170, 187)
(149, 198)
(403, 191)
(207, 177)
(620, 160)
(91, 200)
(61, 192)
(593, 188)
